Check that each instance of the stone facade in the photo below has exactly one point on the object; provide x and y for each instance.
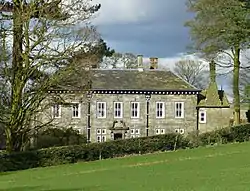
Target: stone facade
(106, 128)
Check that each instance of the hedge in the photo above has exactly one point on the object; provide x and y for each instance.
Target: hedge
(95, 151)
(90, 152)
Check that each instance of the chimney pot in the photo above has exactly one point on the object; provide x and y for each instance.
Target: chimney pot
(140, 62)
(153, 63)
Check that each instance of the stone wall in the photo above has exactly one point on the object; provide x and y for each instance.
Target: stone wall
(100, 127)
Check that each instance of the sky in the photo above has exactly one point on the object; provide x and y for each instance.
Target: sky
(147, 27)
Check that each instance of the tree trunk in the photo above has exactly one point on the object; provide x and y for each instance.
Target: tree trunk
(236, 93)
(16, 81)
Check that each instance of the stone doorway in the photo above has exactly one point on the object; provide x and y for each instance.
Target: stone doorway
(117, 136)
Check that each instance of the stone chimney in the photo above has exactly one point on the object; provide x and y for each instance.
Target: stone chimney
(140, 61)
(212, 69)
(153, 63)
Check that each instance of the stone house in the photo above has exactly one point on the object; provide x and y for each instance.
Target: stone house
(139, 102)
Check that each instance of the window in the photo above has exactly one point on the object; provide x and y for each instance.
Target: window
(117, 109)
(101, 139)
(56, 111)
(159, 131)
(137, 131)
(182, 131)
(179, 110)
(101, 110)
(177, 130)
(101, 135)
(160, 110)
(98, 131)
(135, 109)
(101, 131)
(76, 110)
(134, 133)
(202, 116)
(162, 131)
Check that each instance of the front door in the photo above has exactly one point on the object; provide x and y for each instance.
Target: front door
(117, 136)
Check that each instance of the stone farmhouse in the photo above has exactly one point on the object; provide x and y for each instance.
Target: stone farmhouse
(140, 102)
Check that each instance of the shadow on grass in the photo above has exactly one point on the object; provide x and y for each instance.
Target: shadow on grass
(37, 188)
(5, 173)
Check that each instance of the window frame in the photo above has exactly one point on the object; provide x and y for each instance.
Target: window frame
(133, 110)
(104, 110)
(59, 111)
(202, 111)
(182, 110)
(163, 132)
(163, 110)
(121, 110)
(157, 131)
(79, 110)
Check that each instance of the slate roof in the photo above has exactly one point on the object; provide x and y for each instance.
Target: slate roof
(138, 80)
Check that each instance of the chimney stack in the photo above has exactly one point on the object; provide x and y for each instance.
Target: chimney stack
(153, 63)
(212, 69)
(140, 61)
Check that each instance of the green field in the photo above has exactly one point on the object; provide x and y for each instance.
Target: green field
(221, 168)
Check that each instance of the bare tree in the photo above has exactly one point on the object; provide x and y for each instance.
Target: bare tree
(43, 36)
(191, 71)
(120, 60)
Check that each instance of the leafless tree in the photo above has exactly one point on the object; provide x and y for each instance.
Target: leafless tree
(191, 71)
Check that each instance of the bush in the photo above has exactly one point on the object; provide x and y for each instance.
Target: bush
(90, 152)
(55, 137)
(95, 151)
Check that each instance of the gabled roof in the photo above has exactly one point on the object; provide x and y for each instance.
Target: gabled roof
(138, 80)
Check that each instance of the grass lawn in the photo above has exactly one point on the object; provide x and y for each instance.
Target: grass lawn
(222, 168)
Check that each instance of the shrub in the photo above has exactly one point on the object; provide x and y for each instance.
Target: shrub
(95, 151)
(54, 137)
(89, 152)
(241, 133)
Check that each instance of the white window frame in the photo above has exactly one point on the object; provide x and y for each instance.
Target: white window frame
(132, 131)
(135, 110)
(99, 139)
(202, 111)
(101, 135)
(98, 131)
(157, 110)
(116, 110)
(157, 131)
(179, 110)
(135, 132)
(79, 109)
(104, 138)
(101, 109)
(182, 131)
(101, 131)
(177, 130)
(104, 131)
(160, 131)
(163, 131)
(59, 111)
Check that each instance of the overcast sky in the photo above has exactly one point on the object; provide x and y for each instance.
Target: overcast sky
(148, 27)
